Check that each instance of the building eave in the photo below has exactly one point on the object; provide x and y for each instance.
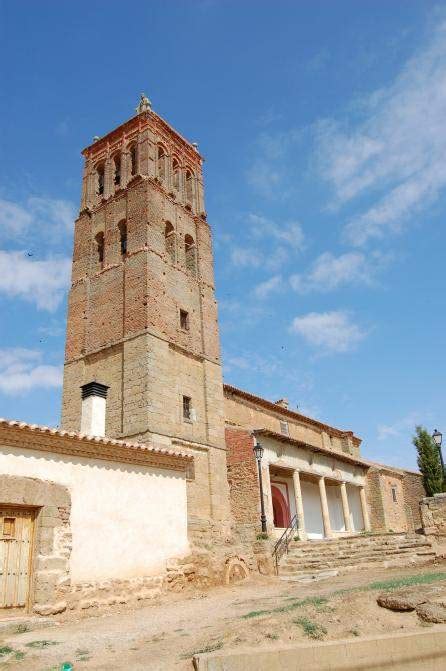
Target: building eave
(340, 456)
(36, 437)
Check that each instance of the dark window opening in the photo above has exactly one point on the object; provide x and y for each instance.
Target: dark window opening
(394, 499)
(100, 247)
(161, 163)
(123, 237)
(189, 187)
(184, 320)
(176, 174)
(133, 159)
(169, 240)
(190, 253)
(187, 407)
(100, 180)
(117, 175)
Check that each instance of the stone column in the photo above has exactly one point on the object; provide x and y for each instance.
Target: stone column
(299, 506)
(324, 507)
(345, 507)
(365, 510)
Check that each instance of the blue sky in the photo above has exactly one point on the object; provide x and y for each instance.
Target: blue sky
(323, 125)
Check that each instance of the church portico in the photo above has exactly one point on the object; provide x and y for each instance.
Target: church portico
(325, 492)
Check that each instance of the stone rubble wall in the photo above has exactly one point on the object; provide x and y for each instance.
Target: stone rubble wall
(433, 515)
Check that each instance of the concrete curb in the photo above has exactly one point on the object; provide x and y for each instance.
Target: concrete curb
(414, 651)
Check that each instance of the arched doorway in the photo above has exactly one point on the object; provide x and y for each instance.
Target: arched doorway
(281, 510)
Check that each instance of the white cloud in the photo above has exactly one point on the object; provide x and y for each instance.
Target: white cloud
(329, 272)
(401, 426)
(328, 331)
(246, 257)
(47, 217)
(40, 282)
(395, 153)
(21, 370)
(268, 287)
(289, 233)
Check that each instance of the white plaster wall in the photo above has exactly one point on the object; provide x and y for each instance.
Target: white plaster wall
(314, 524)
(306, 461)
(335, 507)
(126, 520)
(354, 503)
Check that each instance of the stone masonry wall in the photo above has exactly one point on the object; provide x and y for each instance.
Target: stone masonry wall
(52, 538)
(387, 514)
(414, 492)
(433, 515)
(245, 414)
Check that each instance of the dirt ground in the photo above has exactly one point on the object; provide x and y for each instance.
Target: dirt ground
(259, 612)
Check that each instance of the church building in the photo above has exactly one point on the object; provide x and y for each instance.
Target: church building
(151, 482)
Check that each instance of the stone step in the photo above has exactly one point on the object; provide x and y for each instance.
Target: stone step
(312, 558)
(290, 566)
(375, 551)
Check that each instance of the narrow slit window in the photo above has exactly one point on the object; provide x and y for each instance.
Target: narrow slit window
(161, 163)
(133, 160)
(189, 187)
(100, 180)
(100, 247)
(117, 170)
(123, 237)
(190, 253)
(169, 241)
(176, 174)
(394, 496)
(187, 407)
(184, 320)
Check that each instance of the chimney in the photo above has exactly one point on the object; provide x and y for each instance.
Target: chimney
(283, 402)
(94, 395)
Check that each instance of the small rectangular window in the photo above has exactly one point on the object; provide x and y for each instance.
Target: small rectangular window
(187, 408)
(184, 320)
(394, 494)
(284, 429)
(9, 526)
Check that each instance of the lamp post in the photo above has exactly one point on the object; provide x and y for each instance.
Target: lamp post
(437, 437)
(258, 451)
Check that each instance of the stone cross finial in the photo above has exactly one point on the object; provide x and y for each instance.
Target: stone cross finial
(144, 104)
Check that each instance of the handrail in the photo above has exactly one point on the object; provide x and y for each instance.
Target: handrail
(283, 543)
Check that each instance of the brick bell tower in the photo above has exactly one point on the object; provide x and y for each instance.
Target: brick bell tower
(142, 314)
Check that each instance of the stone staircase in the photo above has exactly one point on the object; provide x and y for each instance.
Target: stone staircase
(321, 558)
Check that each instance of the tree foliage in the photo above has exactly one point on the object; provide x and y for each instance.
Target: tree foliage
(428, 461)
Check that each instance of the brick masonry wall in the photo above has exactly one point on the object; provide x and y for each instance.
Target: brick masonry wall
(242, 476)
(123, 316)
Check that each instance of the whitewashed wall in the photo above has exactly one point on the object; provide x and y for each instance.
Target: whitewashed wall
(126, 520)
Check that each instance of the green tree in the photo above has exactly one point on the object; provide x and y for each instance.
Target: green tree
(428, 461)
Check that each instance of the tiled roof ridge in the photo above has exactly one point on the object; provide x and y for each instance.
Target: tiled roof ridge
(62, 433)
(291, 413)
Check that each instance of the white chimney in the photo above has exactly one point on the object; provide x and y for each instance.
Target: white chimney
(94, 400)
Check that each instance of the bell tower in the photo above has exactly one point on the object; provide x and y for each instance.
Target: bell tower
(142, 314)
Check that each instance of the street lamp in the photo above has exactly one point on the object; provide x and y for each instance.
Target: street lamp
(437, 437)
(258, 451)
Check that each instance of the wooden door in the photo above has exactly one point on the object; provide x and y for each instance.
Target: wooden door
(16, 534)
